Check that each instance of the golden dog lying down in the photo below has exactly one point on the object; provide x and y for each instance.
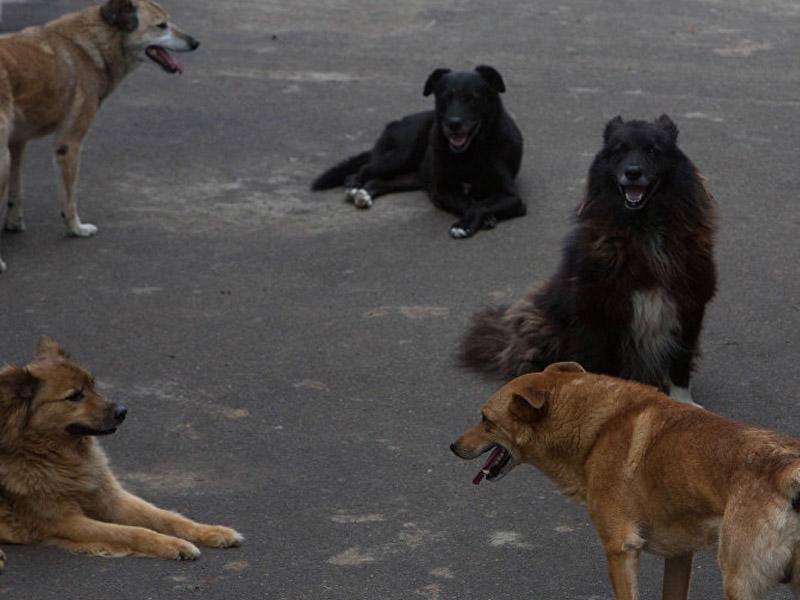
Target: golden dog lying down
(55, 482)
(655, 475)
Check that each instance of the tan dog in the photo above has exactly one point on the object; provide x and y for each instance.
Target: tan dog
(655, 475)
(54, 77)
(55, 482)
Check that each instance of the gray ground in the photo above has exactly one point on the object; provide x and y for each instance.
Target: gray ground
(287, 359)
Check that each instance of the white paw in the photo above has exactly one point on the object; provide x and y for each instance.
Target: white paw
(15, 225)
(682, 394)
(362, 199)
(458, 232)
(81, 229)
(350, 193)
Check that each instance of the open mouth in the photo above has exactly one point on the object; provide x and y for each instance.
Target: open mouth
(160, 56)
(496, 466)
(460, 141)
(80, 429)
(636, 195)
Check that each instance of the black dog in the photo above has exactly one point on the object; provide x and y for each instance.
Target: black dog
(636, 273)
(465, 153)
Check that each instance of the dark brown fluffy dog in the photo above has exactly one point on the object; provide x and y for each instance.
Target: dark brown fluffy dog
(55, 482)
(637, 271)
(655, 475)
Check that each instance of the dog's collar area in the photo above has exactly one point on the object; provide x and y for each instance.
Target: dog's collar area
(496, 466)
(160, 56)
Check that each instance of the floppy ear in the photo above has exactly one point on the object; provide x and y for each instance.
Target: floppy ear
(611, 126)
(17, 384)
(529, 404)
(433, 79)
(120, 14)
(47, 348)
(669, 126)
(565, 367)
(492, 76)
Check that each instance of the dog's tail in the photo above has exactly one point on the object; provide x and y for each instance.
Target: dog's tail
(507, 341)
(335, 176)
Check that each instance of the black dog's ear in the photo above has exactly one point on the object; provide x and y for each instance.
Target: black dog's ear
(17, 384)
(669, 126)
(610, 127)
(433, 79)
(120, 14)
(493, 78)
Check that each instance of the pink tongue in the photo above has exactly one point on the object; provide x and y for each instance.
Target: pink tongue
(493, 458)
(458, 140)
(634, 193)
(164, 57)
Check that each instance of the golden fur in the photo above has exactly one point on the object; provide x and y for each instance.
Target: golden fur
(655, 475)
(54, 77)
(55, 482)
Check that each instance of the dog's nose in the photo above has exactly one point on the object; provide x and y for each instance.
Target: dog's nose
(633, 172)
(193, 43)
(454, 449)
(454, 124)
(119, 414)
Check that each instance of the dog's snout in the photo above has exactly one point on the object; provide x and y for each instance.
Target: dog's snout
(120, 412)
(454, 124)
(193, 43)
(633, 172)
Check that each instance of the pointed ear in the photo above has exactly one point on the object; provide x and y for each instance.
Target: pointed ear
(529, 405)
(565, 367)
(669, 126)
(433, 79)
(17, 384)
(611, 126)
(120, 14)
(47, 348)
(492, 76)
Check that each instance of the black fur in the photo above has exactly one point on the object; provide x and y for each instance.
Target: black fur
(465, 153)
(643, 238)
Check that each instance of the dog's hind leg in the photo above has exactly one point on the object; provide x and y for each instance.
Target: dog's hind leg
(375, 188)
(67, 145)
(14, 220)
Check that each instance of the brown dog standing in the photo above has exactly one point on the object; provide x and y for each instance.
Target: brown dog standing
(655, 475)
(55, 482)
(54, 77)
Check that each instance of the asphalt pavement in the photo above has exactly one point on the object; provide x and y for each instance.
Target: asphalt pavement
(287, 359)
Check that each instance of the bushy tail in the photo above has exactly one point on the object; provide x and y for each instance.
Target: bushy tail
(335, 176)
(507, 341)
(485, 342)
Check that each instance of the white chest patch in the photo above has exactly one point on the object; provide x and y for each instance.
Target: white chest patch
(655, 328)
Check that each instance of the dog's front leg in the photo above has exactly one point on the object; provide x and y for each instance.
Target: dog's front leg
(67, 146)
(677, 573)
(132, 510)
(623, 571)
(14, 219)
(79, 533)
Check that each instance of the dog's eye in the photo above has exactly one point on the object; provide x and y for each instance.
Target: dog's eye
(486, 422)
(75, 396)
(162, 25)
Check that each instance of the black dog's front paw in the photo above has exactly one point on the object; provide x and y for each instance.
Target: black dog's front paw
(489, 222)
(461, 230)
